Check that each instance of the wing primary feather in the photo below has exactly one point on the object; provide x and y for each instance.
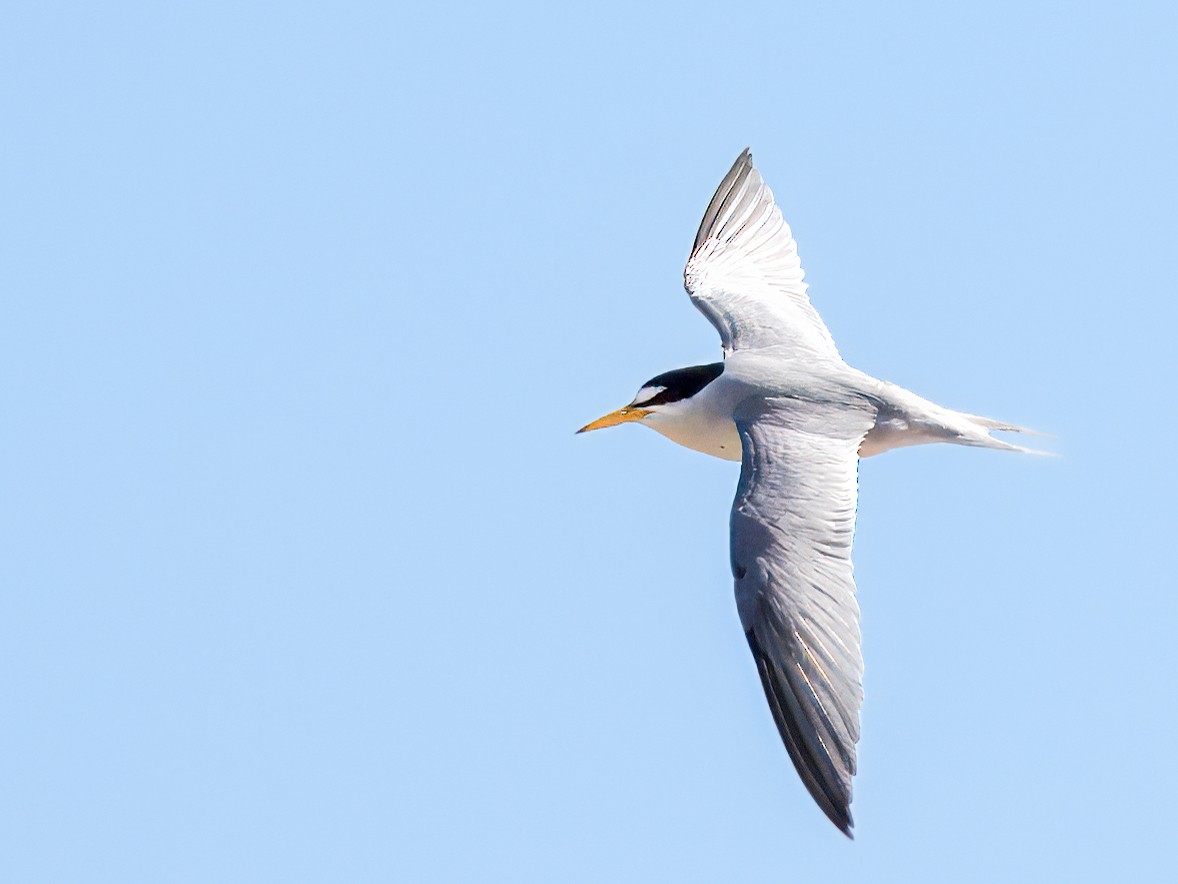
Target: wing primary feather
(744, 273)
(834, 802)
(719, 202)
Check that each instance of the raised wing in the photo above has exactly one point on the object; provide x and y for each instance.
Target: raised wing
(792, 524)
(744, 273)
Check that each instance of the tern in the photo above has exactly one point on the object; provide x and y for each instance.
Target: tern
(798, 418)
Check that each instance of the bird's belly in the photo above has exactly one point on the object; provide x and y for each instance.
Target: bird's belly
(894, 432)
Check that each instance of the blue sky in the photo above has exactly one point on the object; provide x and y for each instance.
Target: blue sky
(306, 577)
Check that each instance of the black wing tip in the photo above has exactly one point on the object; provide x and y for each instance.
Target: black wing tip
(836, 807)
(845, 824)
(740, 170)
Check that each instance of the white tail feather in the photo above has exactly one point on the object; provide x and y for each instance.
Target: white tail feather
(982, 438)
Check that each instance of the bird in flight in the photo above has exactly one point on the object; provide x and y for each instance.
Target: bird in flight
(798, 418)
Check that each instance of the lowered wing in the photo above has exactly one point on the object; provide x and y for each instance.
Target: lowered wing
(792, 524)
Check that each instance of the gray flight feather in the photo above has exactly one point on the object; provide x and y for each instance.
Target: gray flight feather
(792, 525)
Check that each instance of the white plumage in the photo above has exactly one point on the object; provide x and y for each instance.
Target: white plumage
(798, 417)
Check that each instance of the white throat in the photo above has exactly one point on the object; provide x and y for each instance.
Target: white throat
(701, 423)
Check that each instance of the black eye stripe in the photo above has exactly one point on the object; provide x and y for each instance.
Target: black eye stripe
(683, 383)
(663, 397)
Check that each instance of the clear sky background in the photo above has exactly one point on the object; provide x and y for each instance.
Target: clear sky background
(305, 576)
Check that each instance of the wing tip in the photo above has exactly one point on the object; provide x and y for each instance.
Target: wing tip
(836, 807)
(740, 170)
(844, 824)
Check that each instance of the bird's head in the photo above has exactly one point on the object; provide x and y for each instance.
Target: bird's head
(661, 396)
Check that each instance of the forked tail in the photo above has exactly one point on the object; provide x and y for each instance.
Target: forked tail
(903, 418)
(979, 434)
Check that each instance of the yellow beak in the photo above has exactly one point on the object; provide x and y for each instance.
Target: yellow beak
(629, 413)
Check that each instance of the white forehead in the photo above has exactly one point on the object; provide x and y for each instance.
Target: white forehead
(646, 394)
